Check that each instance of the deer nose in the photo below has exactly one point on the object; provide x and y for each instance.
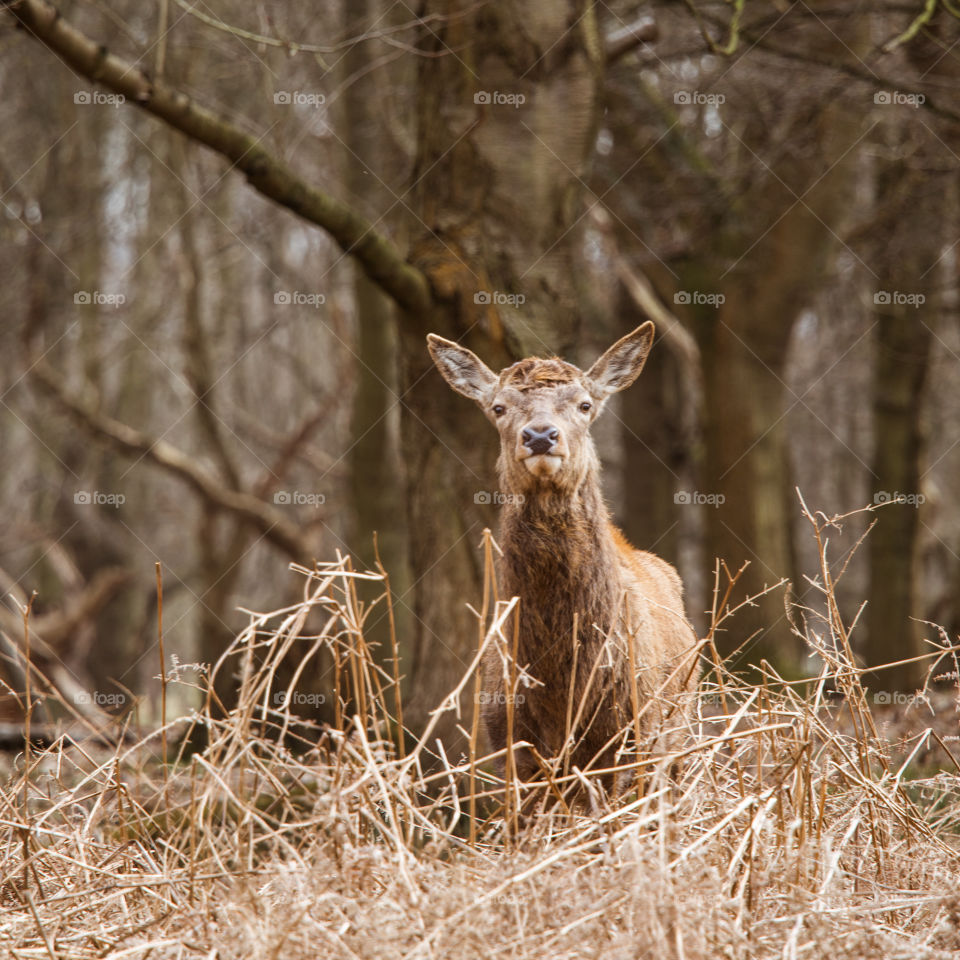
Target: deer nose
(540, 439)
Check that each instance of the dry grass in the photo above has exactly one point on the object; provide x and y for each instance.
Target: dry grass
(790, 830)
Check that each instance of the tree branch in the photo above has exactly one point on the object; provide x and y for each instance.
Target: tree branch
(265, 172)
(756, 35)
(621, 42)
(275, 528)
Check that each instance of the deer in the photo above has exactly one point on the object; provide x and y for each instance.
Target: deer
(590, 604)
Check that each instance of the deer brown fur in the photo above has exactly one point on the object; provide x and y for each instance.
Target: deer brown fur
(565, 559)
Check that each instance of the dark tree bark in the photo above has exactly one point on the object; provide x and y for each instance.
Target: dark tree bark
(900, 368)
(911, 222)
(909, 218)
(377, 487)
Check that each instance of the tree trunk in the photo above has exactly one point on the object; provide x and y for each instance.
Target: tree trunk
(377, 490)
(910, 203)
(505, 127)
(911, 214)
(900, 367)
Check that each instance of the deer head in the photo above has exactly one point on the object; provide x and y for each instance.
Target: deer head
(543, 409)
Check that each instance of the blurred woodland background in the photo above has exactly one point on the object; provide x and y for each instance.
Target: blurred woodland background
(227, 228)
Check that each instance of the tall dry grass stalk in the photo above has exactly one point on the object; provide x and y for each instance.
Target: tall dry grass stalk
(778, 822)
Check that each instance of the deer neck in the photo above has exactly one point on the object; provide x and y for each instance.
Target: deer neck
(560, 558)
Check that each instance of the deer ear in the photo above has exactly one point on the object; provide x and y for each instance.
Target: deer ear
(621, 364)
(461, 368)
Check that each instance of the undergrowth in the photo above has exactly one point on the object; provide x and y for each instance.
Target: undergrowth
(779, 824)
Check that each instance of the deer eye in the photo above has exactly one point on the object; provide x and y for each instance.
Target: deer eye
(586, 406)
(499, 409)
